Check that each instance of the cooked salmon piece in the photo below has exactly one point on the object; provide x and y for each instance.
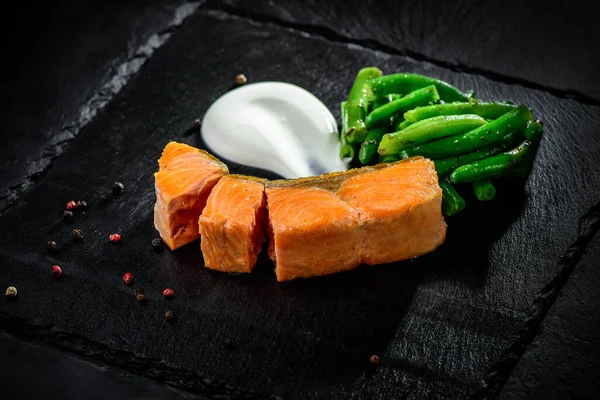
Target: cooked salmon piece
(372, 215)
(233, 224)
(184, 180)
(313, 232)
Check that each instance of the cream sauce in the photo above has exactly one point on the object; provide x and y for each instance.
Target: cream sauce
(275, 126)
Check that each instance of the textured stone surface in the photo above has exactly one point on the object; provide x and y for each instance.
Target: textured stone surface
(439, 323)
(538, 43)
(67, 59)
(564, 360)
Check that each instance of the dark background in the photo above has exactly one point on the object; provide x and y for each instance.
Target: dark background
(91, 91)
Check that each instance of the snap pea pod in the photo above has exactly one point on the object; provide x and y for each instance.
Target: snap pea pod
(494, 165)
(382, 115)
(445, 166)
(347, 150)
(514, 120)
(405, 83)
(484, 189)
(485, 110)
(368, 148)
(427, 130)
(388, 158)
(357, 105)
(452, 201)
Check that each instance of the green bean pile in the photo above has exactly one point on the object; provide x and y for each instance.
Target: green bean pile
(391, 117)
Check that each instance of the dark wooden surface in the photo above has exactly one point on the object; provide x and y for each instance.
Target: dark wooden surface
(448, 325)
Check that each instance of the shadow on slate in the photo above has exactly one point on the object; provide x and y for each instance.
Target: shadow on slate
(438, 322)
(36, 370)
(541, 44)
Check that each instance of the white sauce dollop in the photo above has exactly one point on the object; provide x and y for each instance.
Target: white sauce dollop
(275, 126)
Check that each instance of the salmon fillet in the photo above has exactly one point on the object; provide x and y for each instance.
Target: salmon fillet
(372, 215)
(184, 180)
(233, 224)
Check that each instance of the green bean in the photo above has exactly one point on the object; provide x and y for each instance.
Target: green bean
(347, 150)
(382, 115)
(452, 201)
(484, 189)
(358, 104)
(393, 96)
(388, 158)
(404, 154)
(427, 130)
(405, 83)
(379, 102)
(386, 99)
(534, 132)
(445, 166)
(514, 120)
(485, 110)
(402, 124)
(494, 165)
(519, 171)
(368, 148)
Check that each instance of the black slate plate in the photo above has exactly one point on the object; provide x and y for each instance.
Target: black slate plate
(439, 322)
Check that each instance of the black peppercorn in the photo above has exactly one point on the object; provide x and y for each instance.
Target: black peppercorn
(118, 188)
(52, 246)
(68, 216)
(157, 244)
(77, 234)
(169, 315)
(140, 298)
(375, 359)
(228, 343)
(139, 290)
(81, 205)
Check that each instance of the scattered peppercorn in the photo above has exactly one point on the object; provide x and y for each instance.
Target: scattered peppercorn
(128, 278)
(56, 271)
(196, 123)
(374, 359)
(68, 216)
(11, 292)
(77, 234)
(168, 292)
(118, 188)
(140, 297)
(157, 244)
(52, 246)
(241, 79)
(169, 315)
(114, 237)
(228, 343)
(81, 205)
(71, 205)
(139, 290)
